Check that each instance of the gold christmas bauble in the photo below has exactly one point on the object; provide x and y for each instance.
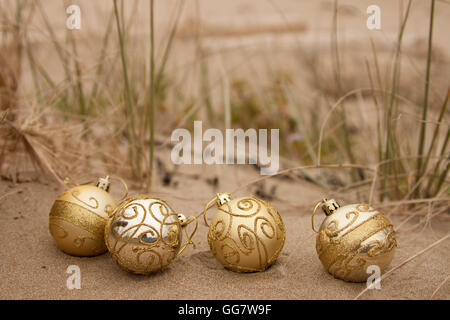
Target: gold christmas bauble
(246, 234)
(143, 235)
(78, 217)
(352, 238)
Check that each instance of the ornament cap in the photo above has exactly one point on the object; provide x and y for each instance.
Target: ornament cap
(330, 206)
(103, 183)
(183, 220)
(223, 198)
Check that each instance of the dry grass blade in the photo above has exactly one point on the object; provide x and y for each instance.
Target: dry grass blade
(391, 144)
(134, 148)
(31, 148)
(10, 193)
(102, 57)
(282, 172)
(436, 132)
(427, 88)
(62, 54)
(387, 274)
(439, 287)
(150, 114)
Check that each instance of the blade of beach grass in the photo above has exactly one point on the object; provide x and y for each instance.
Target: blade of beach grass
(390, 143)
(226, 93)
(377, 106)
(134, 148)
(101, 59)
(78, 87)
(204, 72)
(151, 107)
(423, 127)
(59, 50)
(357, 173)
(387, 274)
(168, 47)
(34, 72)
(442, 177)
(122, 18)
(434, 139)
(335, 47)
(437, 167)
(155, 81)
(18, 28)
(30, 56)
(295, 108)
(439, 287)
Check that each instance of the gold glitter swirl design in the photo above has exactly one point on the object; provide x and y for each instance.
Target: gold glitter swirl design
(246, 235)
(77, 220)
(76, 194)
(364, 207)
(74, 216)
(57, 231)
(79, 241)
(142, 247)
(78, 215)
(332, 229)
(109, 209)
(347, 255)
(248, 207)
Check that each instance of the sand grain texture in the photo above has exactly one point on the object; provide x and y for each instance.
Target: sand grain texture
(32, 267)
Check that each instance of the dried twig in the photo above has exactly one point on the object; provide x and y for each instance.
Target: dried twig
(439, 287)
(387, 274)
(10, 193)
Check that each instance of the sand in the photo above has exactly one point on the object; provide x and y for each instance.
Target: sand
(32, 267)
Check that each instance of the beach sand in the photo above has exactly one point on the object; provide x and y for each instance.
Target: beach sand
(32, 267)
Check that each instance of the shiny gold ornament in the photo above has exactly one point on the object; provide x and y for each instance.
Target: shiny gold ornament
(245, 234)
(353, 237)
(144, 234)
(78, 217)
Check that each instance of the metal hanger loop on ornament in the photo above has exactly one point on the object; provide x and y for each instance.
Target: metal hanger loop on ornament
(314, 211)
(189, 237)
(124, 184)
(206, 209)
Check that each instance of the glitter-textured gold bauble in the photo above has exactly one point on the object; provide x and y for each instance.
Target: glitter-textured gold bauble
(246, 234)
(143, 235)
(352, 238)
(78, 217)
